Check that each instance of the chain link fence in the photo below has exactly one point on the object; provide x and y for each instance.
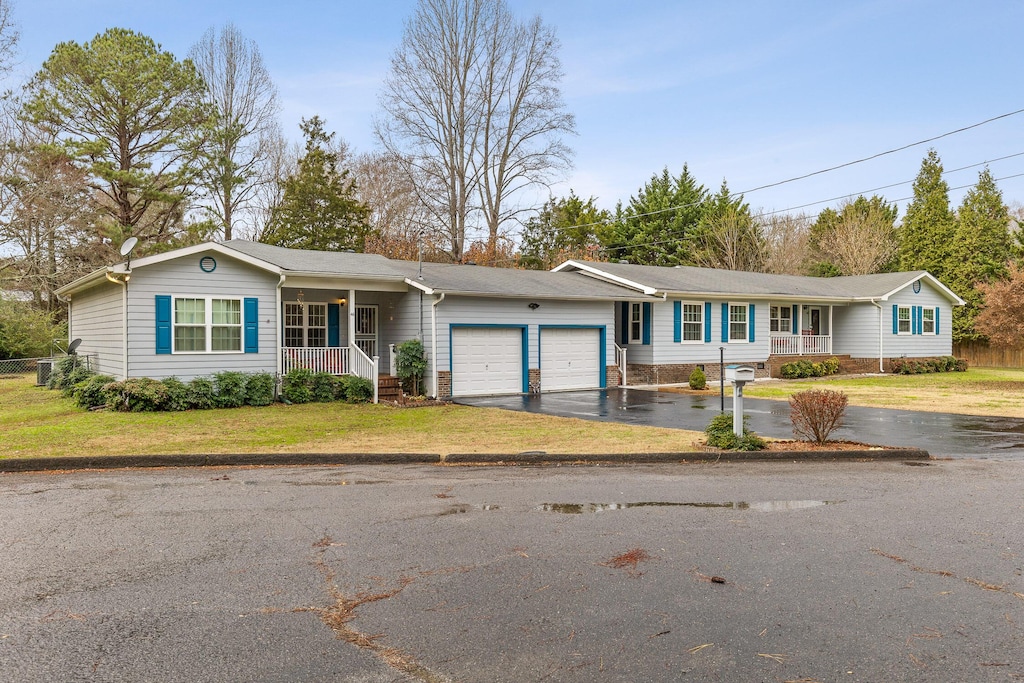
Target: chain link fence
(41, 367)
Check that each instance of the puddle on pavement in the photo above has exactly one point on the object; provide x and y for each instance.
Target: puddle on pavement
(462, 509)
(916, 463)
(759, 506)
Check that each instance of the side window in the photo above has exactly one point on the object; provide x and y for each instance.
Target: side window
(904, 320)
(636, 323)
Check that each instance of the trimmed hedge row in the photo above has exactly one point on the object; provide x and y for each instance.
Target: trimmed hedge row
(805, 368)
(921, 366)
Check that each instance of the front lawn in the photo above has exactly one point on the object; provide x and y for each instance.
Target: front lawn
(979, 391)
(36, 422)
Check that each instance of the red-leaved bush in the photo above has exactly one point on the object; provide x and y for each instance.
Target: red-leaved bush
(816, 412)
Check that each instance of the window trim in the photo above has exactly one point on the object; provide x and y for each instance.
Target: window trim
(924, 320)
(639, 320)
(745, 306)
(775, 316)
(700, 322)
(305, 326)
(900, 320)
(208, 324)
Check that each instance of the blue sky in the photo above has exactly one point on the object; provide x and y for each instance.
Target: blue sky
(753, 92)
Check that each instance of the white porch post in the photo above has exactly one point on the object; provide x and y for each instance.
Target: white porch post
(351, 318)
(800, 331)
(830, 337)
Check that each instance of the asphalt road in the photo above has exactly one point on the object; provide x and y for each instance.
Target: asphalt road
(729, 572)
(941, 434)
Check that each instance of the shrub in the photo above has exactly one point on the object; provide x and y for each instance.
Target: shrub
(356, 389)
(259, 389)
(720, 435)
(816, 412)
(817, 369)
(296, 386)
(26, 331)
(177, 394)
(72, 379)
(200, 393)
(410, 364)
(323, 387)
(698, 380)
(60, 375)
(960, 365)
(831, 366)
(136, 395)
(228, 389)
(90, 393)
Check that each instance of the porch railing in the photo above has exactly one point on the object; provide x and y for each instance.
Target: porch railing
(336, 360)
(620, 361)
(801, 345)
(331, 359)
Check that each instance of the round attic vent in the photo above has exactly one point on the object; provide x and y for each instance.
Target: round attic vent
(208, 264)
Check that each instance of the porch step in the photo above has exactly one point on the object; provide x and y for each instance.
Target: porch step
(389, 388)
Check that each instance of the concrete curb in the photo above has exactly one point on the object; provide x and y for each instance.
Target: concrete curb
(109, 462)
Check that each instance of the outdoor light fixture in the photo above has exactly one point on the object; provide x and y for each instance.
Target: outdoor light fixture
(534, 306)
(300, 297)
(341, 301)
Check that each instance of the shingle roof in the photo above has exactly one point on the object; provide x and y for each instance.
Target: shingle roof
(685, 279)
(487, 281)
(326, 262)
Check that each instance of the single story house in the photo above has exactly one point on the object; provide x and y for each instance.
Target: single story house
(253, 307)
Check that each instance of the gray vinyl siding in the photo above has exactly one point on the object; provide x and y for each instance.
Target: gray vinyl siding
(918, 345)
(666, 351)
(458, 310)
(183, 277)
(97, 318)
(855, 329)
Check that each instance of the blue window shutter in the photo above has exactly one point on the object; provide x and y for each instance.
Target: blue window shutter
(707, 322)
(895, 319)
(725, 323)
(333, 325)
(915, 314)
(750, 323)
(793, 324)
(936, 320)
(163, 323)
(624, 327)
(677, 321)
(251, 309)
(647, 323)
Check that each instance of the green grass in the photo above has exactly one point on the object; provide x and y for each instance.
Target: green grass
(979, 391)
(36, 422)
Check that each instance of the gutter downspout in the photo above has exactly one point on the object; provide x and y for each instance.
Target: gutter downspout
(433, 338)
(278, 357)
(124, 320)
(881, 353)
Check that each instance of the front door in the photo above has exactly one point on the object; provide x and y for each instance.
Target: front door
(366, 329)
(814, 321)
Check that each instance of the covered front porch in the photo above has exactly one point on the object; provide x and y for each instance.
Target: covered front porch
(801, 329)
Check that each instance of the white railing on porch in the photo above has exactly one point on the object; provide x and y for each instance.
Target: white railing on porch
(334, 360)
(366, 367)
(801, 344)
(620, 361)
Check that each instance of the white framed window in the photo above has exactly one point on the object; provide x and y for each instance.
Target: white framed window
(737, 322)
(781, 319)
(636, 323)
(305, 325)
(903, 318)
(927, 321)
(207, 325)
(693, 322)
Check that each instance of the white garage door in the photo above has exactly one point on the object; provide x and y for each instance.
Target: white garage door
(570, 358)
(487, 360)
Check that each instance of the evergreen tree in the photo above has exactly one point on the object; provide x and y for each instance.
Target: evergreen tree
(655, 227)
(981, 253)
(318, 208)
(566, 228)
(928, 230)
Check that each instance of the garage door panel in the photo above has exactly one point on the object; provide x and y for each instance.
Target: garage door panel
(570, 358)
(487, 360)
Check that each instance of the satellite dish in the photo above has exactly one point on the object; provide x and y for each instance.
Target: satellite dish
(128, 245)
(75, 343)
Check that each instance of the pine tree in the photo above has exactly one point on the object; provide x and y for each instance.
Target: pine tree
(928, 230)
(566, 228)
(654, 228)
(318, 209)
(981, 253)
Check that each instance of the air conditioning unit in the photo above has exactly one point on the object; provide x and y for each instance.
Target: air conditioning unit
(44, 368)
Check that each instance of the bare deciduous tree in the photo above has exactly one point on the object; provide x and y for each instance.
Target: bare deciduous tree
(473, 109)
(860, 242)
(786, 239)
(238, 162)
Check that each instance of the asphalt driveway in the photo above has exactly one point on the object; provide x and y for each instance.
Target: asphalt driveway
(941, 434)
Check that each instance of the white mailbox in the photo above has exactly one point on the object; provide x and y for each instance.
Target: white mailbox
(739, 373)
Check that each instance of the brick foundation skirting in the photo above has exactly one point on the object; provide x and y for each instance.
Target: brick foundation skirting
(444, 384)
(679, 373)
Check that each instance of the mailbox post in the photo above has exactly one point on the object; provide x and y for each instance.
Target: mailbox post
(738, 375)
